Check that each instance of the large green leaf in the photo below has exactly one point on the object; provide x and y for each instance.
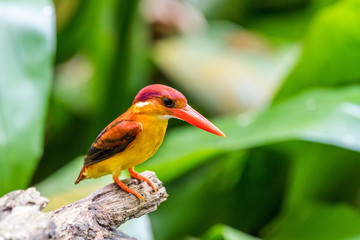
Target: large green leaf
(313, 221)
(331, 50)
(329, 116)
(320, 172)
(27, 47)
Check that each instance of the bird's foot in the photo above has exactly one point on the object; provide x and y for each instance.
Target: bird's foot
(136, 175)
(127, 189)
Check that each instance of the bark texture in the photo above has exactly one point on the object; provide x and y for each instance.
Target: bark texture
(21, 216)
(95, 217)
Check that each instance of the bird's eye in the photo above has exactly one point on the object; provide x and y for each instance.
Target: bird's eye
(168, 102)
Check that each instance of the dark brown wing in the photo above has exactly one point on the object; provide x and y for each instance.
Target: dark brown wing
(113, 139)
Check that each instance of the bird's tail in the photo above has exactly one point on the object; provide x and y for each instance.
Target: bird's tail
(81, 175)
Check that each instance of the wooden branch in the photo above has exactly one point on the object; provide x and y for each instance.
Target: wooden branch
(21, 216)
(100, 214)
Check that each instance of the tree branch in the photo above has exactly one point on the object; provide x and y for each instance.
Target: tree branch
(21, 216)
(100, 214)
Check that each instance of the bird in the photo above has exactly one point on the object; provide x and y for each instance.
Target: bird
(137, 134)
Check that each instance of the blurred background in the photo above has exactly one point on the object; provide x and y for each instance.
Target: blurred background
(280, 78)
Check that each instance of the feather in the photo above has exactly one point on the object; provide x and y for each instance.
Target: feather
(114, 139)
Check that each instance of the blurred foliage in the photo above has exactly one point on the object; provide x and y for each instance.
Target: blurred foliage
(336, 60)
(226, 52)
(27, 48)
(221, 231)
(316, 221)
(108, 40)
(289, 166)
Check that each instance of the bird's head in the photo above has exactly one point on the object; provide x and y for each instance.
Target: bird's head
(166, 102)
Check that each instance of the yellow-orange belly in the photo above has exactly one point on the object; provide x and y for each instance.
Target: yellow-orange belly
(144, 146)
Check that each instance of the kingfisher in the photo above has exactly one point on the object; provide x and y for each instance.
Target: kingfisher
(137, 134)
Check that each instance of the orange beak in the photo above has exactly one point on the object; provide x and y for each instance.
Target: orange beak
(188, 114)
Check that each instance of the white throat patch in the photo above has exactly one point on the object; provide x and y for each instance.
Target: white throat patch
(141, 104)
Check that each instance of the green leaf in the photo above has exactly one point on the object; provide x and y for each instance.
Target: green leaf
(223, 232)
(314, 221)
(27, 47)
(320, 172)
(322, 180)
(329, 116)
(331, 46)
